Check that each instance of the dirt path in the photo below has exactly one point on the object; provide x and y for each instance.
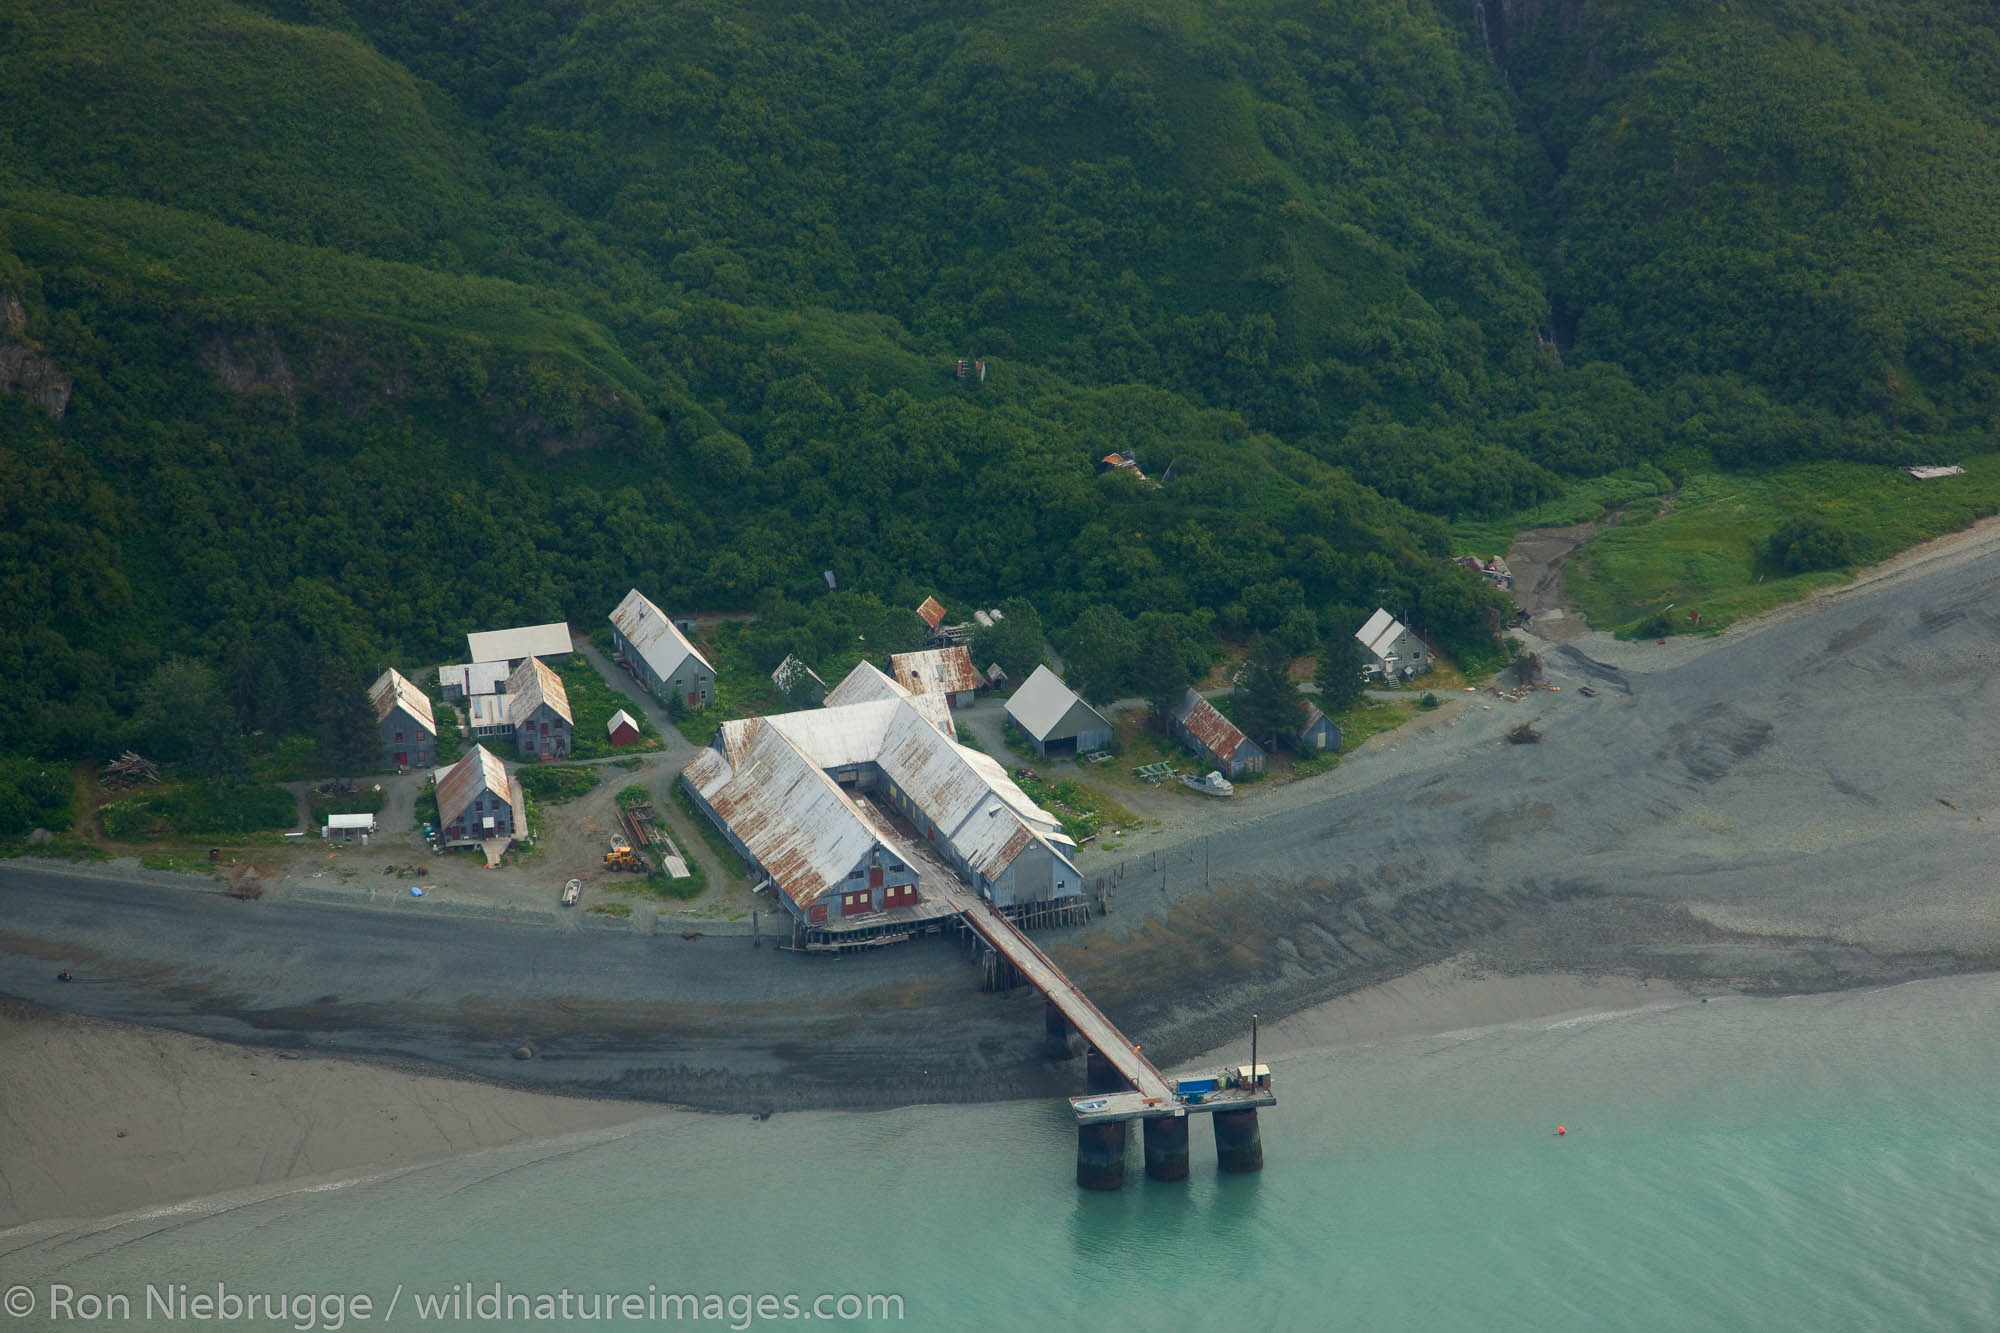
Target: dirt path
(1539, 558)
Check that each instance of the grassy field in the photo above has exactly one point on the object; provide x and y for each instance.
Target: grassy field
(200, 809)
(1707, 552)
(592, 701)
(1634, 491)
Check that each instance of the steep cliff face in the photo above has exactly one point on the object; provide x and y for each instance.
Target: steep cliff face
(24, 369)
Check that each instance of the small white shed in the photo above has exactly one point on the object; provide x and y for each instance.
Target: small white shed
(349, 828)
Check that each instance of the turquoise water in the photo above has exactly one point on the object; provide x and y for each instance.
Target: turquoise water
(1828, 1162)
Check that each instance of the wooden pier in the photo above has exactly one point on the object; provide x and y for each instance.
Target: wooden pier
(1125, 1085)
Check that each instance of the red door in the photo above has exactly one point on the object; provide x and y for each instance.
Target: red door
(694, 699)
(875, 877)
(402, 759)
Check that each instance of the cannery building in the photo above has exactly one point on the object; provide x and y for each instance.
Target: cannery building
(850, 810)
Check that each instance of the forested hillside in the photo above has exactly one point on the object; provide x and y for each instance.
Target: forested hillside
(330, 329)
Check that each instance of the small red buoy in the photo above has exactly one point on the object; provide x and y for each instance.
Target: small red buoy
(1560, 1131)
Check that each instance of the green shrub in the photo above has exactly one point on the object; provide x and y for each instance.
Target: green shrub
(555, 783)
(33, 795)
(1808, 544)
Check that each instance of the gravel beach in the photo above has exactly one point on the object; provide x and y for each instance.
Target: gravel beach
(1805, 803)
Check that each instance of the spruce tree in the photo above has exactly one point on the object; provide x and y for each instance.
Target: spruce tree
(1267, 702)
(1341, 661)
(1163, 673)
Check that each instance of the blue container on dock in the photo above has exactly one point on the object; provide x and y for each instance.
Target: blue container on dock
(1193, 1085)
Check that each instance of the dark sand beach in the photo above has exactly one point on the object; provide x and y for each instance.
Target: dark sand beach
(1800, 804)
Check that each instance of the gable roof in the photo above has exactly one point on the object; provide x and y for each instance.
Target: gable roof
(931, 612)
(1216, 733)
(393, 690)
(480, 771)
(618, 718)
(938, 671)
(768, 780)
(532, 685)
(510, 645)
(1379, 635)
(864, 683)
(654, 636)
(1043, 701)
(792, 674)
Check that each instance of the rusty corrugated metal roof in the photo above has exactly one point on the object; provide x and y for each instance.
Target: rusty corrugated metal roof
(938, 671)
(479, 771)
(931, 612)
(392, 689)
(1217, 734)
(768, 779)
(654, 636)
(532, 685)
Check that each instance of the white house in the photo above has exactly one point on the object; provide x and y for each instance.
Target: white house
(1395, 653)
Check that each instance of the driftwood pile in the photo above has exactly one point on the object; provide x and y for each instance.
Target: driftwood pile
(128, 770)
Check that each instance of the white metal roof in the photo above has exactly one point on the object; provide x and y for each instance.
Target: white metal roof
(360, 821)
(863, 684)
(480, 770)
(475, 677)
(532, 685)
(769, 781)
(487, 710)
(654, 636)
(392, 689)
(1043, 701)
(511, 645)
(937, 671)
(621, 716)
(1379, 635)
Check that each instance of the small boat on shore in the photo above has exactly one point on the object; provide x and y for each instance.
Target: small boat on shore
(571, 892)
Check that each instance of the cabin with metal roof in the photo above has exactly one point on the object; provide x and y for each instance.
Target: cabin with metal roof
(1056, 720)
(945, 671)
(1394, 652)
(931, 612)
(623, 729)
(846, 808)
(515, 646)
(1315, 733)
(538, 711)
(658, 655)
(404, 721)
(1203, 729)
(479, 802)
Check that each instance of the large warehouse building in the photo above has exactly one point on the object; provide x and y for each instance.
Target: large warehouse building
(847, 809)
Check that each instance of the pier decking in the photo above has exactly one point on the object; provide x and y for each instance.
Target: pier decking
(1153, 1093)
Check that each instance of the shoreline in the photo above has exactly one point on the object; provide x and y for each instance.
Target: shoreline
(208, 1124)
(112, 1122)
(1662, 842)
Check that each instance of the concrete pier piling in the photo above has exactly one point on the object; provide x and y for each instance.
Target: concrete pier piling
(1100, 1075)
(1167, 1147)
(1238, 1146)
(1059, 1038)
(1100, 1155)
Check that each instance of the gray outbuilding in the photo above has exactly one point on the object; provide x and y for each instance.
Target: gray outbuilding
(1056, 721)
